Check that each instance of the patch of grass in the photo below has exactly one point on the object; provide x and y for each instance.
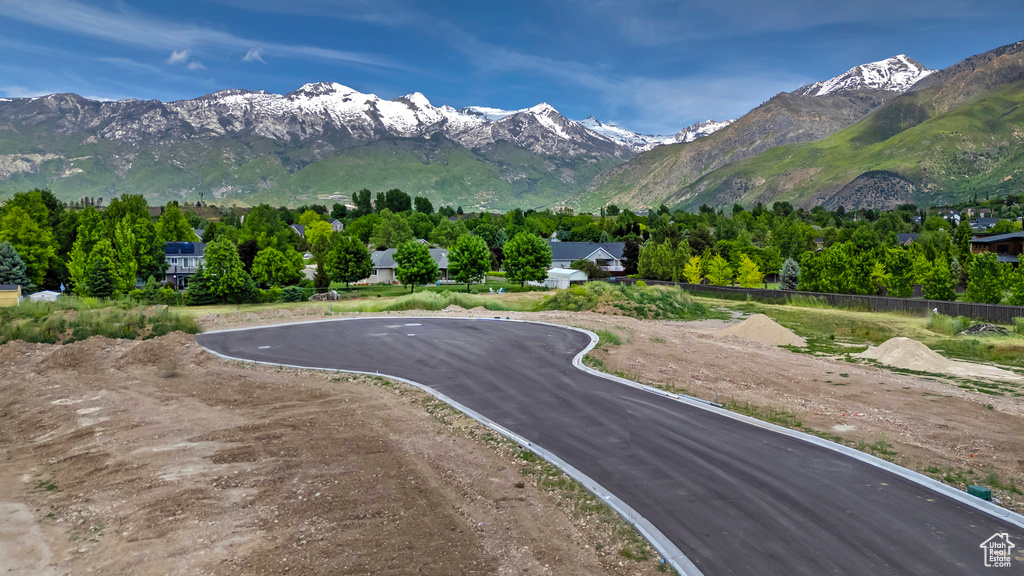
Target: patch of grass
(948, 325)
(643, 302)
(47, 486)
(71, 319)
(607, 337)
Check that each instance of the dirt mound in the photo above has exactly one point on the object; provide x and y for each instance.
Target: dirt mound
(454, 308)
(762, 329)
(479, 310)
(910, 354)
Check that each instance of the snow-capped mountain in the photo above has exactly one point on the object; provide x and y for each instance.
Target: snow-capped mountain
(643, 142)
(896, 74)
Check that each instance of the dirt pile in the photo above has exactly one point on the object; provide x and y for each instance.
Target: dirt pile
(910, 354)
(762, 329)
(454, 308)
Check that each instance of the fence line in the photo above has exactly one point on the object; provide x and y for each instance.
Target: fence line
(995, 313)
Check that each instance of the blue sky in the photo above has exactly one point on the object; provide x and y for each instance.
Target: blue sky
(652, 66)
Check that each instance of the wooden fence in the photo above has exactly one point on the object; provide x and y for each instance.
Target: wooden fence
(994, 313)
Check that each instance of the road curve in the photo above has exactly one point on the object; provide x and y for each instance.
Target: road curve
(736, 498)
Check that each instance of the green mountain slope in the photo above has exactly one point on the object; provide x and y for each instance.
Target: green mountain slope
(976, 148)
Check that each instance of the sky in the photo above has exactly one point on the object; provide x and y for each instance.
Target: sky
(651, 66)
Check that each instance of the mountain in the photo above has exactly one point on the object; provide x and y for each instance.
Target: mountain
(956, 133)
(807, 114)
(643, 142)
(319, 143)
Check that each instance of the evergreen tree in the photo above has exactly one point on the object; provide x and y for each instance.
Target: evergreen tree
(985, 284)
(693, 272)
(789, 277)
(198, 293)
(719, 271)
(469, 260)
(527, 257)
(630, 255)
(349, 261)
(12, 268)
(101, 279)
(414, 265)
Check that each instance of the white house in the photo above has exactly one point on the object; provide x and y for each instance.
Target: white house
(182, 260)
(605, 255)
(384, 266)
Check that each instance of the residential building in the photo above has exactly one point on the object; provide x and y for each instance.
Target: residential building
(982, 224)
(564, 277)
(384, 266)
(906, 238)
(1006, 246)
(10, 295)
(605, 255)
(182, 260)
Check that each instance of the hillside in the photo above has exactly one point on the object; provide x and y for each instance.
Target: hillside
(959, 133)
(807, 114)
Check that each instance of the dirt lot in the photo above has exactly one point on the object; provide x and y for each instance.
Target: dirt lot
(156, 458)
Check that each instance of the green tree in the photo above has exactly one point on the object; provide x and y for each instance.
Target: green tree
(527, 257)
(748, 274)
(447, 232)
(126, 264)
(414, 265)
(719, 271)
(348, 261)
(33, 242)
(939, 284)
(985, 284)
(391, 230)
(12, 268)
(198, 292)
(363, 202)
(224, 275)
(693, 272)
(101, 279)
(423, 205)
(173, 226)
(898, 266)
(469, 260)
(271, 267)
(309, 217)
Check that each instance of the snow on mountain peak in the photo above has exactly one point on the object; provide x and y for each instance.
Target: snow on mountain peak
(896, 74)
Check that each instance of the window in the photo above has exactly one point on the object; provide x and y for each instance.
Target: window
(1002, 248)
(174, 260)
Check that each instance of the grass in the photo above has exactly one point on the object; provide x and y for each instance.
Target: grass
(948, 325)
(643, 302)
(71, 319)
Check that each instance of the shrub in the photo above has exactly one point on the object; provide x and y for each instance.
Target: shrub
(947, 324)
(293, 294)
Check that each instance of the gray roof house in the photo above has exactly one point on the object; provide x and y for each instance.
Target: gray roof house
(384, 266)
(606, 255)
(182, 260)
(906, 238)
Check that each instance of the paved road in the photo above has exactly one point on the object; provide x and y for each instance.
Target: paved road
(735, 498)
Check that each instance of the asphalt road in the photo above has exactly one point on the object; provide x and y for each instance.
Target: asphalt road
(735, 498)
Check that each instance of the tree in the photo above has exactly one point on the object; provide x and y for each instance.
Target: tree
(318, 236)
(630, 255)
(173, 226)
(224, 275)
(12, 268)
(527, 257)
(748, 274)
(308, 217)
(693, 271)
(363, 203)
(391, 230)
(271, 267)
(348, 261)
(101, 279)
(719, 271)
(789, 277)
(33, 241)
(198, 293)
(939, 284)
(469, 260)
(985, 284)
(447, 232)
(898, 266)
(423, 205)
(126, 264)
(414, 265)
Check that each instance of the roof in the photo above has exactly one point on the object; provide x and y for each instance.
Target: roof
(386, 258)
(984, 222)
(299, 229)
(904, 237)
(997, 238)
(9, 287)
(580, 250)
(185, 248)
(44, 296)
(567, 272)
(1007, 259)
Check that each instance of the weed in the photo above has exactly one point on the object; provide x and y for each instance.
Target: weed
(607, 337)
(948, 325)
(47, 486)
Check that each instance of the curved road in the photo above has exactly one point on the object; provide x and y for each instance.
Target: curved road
(736, 498)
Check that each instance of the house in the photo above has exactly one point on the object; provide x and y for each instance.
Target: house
(951, 216)
(564, 277)
(299, 229)
(1007, 246)
(336, 225)
(819, 242)
(906, 238)
(384, 266)
(182, 260)
(605, 255)
(44, 296)
(982, 224)
(10, 295)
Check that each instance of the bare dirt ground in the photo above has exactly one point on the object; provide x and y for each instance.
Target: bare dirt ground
(156, 458)
(132, 457)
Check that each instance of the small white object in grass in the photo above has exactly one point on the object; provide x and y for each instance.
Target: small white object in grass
(263, 347)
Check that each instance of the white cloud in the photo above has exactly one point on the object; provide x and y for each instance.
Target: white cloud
(254, 55)
(178, 57)
(23, 92)
(196, 65)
